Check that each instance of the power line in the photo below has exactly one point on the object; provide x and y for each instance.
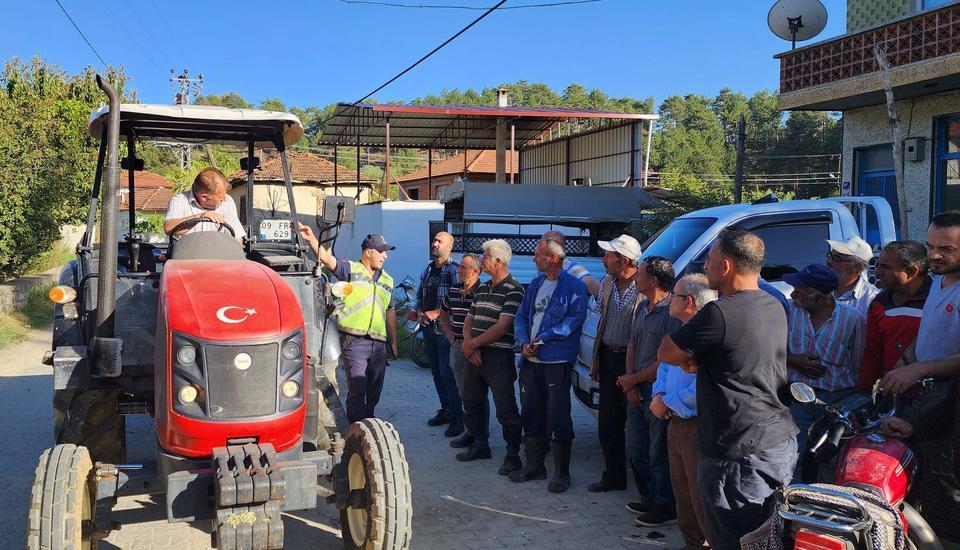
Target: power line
(147, 30)
(74, 23)
(173, 37)
(460, 7)
(126, 31)
(433, 51)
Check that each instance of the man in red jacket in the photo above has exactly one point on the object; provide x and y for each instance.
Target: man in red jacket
(893, 318)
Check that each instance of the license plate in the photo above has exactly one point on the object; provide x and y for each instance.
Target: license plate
(275, 230)
(595, 398)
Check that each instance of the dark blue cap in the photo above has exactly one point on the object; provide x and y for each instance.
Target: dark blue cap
(816, 276)
(376, 242)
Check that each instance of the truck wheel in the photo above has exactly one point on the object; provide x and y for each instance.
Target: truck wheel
(376, 464)
(418, 350)
(61, 501)
(90, 419)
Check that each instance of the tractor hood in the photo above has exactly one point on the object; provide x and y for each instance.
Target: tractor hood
(228, 300)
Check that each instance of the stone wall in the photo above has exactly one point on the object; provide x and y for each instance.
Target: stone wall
(870, 126)
(14, 294)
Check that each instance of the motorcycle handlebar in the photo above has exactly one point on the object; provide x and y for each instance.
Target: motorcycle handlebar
(830, 444)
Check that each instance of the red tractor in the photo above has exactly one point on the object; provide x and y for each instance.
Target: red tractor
(230, 347)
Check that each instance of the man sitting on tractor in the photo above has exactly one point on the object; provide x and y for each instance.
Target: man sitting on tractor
(367, 321)
(208, 199)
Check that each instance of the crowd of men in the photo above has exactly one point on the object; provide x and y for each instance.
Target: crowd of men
(693, 372)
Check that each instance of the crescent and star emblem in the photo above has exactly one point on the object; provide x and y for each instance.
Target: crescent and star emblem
(234, 317)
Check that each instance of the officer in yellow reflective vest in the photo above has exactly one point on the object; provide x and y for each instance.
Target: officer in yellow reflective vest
(367, 323)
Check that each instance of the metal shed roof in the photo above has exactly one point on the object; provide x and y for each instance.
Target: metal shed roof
(561, 204)
(447, 126)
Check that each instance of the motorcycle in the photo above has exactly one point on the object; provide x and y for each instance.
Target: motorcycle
(864, 507)
(405, 304)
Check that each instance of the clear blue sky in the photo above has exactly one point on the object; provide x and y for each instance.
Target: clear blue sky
(321, 51)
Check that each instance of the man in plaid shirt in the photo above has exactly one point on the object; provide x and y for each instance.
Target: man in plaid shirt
(435, 283)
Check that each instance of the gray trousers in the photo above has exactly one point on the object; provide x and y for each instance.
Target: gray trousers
(457, 361)
(738, 493)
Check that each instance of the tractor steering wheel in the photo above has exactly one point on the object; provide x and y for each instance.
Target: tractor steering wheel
(187, 224)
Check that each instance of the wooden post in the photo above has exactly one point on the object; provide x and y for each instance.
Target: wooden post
(386, 174)
(738, 173)
(897, 139)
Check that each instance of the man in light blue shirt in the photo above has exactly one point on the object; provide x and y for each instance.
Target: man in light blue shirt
(675, 397)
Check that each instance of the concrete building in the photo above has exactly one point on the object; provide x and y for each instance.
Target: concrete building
(312, 177)
(921, 40)
(475, 166)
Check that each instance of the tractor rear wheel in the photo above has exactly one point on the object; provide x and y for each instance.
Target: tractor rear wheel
(90, 419)
(377, 466)
(62, 500)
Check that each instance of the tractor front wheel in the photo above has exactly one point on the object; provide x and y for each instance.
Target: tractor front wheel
(376, 468)
(62, 500)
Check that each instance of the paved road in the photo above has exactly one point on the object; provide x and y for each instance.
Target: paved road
(455, 505)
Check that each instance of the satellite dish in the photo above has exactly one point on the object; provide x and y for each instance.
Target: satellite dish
(795, 20)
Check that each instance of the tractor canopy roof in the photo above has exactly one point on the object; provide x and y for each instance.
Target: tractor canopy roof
(192, 124)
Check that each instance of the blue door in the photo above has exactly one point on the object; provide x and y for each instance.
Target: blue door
(947, 192)
(876, 177)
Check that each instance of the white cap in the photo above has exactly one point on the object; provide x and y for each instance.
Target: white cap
(853, 247)
(625, 245)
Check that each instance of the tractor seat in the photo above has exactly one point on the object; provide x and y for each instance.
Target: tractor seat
(207, 245)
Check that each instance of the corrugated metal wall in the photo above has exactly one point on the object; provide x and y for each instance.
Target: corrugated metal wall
(601, 157)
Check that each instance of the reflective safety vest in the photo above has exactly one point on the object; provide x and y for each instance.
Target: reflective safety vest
(365, 308)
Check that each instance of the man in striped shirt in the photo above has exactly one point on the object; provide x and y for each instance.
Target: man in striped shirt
(824, 346)
(488, 349)
(453, 312)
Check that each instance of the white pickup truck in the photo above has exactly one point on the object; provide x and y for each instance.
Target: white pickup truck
(794, 232)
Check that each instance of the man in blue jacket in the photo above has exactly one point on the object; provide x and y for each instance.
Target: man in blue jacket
(548, 327)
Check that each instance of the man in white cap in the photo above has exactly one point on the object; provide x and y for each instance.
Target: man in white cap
(850, 260)
(618, 306)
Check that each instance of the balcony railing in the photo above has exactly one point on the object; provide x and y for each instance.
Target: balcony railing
(919, 38)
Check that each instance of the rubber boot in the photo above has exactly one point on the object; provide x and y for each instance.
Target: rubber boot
(561, 462)
(512, 435)
(536, 449)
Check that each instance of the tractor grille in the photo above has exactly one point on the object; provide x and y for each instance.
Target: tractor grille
(235, 393)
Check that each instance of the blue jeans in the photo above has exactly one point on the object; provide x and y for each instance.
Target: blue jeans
(804, 415)
(739, 493)
(438, 355)
(647, 450)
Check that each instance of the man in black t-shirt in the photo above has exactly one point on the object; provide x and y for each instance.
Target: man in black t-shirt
(738, 346)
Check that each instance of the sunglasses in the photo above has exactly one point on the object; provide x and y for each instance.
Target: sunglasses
(838, 258)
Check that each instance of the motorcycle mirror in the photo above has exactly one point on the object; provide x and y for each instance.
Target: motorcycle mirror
(802, 393)
(408, 280)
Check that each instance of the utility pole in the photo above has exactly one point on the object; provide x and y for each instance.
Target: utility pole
(897, 139)
(738, 174)
(184, 86)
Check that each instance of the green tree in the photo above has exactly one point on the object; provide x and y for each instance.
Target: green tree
(227, 99)
(47, 158)
(272, 104)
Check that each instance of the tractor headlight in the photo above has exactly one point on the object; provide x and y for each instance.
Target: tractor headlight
(290, 389)
(291, 350)
(187, 394)
(186, 355)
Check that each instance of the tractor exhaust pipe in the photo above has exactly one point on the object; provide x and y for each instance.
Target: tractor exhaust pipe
(107, 280)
